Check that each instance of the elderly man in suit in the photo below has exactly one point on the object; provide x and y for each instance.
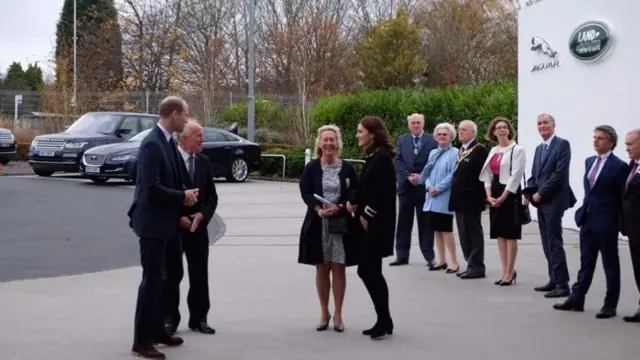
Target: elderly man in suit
(412, 153)
(468, 199)
(598, 220)
(552, 195)
(196, 172)
(631, 209)
(159, 201)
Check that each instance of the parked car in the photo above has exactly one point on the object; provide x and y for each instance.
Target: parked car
(62, 152)
(7, 146)
(231, 156)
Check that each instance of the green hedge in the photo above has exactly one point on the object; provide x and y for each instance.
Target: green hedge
(479, 103)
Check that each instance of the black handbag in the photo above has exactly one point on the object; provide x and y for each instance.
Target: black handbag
(523, 214)
(339, 224)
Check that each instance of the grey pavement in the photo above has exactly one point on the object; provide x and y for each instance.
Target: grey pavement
(264, 304)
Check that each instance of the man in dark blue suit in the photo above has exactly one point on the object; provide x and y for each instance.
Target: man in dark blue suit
(412, 153)
(552, 195)
(598, 220)
(158, 203)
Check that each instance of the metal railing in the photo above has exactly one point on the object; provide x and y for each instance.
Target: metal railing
(355, 160)
(284, 161)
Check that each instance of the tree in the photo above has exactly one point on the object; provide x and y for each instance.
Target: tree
(99, 45)
(15, 78)
(387, 54)
(34, 77)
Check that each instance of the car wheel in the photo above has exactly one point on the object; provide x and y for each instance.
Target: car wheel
(43, 172)
(238, 170)
(4, 160)
(99, 179)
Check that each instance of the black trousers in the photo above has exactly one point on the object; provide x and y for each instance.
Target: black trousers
(591, 244)
(410, 204)
(148, 317)
(370, 271)
(550, 224)
(634, 250)
(196, 249)
(471, 240)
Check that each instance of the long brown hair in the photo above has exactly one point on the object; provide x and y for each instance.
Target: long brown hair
(381, 136)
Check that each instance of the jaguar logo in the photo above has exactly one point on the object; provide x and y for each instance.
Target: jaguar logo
(538, 43)
(94, 157)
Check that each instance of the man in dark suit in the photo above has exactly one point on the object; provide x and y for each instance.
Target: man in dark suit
(552, 195)
(468, 199)
(412, 153)
(158, 203)
(196, 168)
(631, 209)
(598, 220)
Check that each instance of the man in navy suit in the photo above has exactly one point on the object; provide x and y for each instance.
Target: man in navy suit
(412, 153)
(598, 220)
(552, 196)
(159, 202)
(630, 210)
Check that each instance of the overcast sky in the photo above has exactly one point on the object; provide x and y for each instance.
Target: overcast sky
(28, 32)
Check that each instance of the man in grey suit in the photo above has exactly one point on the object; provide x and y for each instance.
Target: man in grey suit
(412, 153)
(549, 191)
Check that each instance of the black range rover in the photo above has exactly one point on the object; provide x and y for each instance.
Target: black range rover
(62, 152)
(7, 146)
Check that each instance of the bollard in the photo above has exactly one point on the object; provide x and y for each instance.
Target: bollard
(307, 156)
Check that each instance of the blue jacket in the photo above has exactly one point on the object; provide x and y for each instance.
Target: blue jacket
(440, 178)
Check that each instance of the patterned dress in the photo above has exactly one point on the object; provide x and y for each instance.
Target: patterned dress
(332, 245)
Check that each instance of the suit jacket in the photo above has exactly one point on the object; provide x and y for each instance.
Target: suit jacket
(600, 210)
(407, 162)
(207, 194)
(467, 191)
(439, 178)
(158, 201)
(550, 177)
(631, 208)
(376, 202)
(310, 248)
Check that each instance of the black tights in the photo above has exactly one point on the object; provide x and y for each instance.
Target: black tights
(370, 271)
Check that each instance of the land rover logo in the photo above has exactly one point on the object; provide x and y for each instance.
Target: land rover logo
(590, 41)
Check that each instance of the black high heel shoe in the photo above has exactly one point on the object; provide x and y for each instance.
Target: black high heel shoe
(510, 282)
(381, 331)
(438, 267)
(498, 282)
(323, 327)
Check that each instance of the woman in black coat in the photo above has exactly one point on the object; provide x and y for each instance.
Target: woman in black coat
(374, 205)
(327, 236)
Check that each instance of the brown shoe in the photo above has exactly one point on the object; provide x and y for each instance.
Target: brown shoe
(169, 340)
(147, 351)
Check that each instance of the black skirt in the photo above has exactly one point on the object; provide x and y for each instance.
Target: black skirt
(504, 219)
(440, 222)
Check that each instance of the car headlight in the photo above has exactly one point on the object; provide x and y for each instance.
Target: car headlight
(34, 143)
(12, 137)
(75, 145)
(123, 158)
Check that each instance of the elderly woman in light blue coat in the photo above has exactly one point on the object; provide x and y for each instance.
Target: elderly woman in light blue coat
(436, 177)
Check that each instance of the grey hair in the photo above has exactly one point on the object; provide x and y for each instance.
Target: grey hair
(473, 125)
(636, 133)
(417, 116)
(189, 127)
(449, 127)
(611, 133)
(550, 117)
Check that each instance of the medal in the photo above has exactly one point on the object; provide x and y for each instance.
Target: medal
(415, 151)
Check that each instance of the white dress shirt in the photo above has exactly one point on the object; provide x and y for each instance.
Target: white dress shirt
(603, 160)
(165, 132)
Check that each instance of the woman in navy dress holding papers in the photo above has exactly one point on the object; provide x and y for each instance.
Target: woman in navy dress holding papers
(328, 238)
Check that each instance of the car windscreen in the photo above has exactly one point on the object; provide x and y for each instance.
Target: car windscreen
(95, 123)
(140, 136)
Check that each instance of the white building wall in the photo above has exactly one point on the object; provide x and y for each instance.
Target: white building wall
(580, 95)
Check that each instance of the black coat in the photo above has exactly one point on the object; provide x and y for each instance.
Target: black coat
(207, 194)
(467, 191)
(631, 209)
(310, 248)
(376, 200)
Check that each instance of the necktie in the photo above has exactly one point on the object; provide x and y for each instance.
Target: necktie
(191, 167)
(594, 171)
(544, 151)
(634, 169)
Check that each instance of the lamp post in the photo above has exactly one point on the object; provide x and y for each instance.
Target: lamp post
(75, 60)
(251, 106)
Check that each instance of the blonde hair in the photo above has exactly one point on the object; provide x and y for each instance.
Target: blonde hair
(336, 130)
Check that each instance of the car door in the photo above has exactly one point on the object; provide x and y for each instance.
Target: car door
(147, 122)
(218, 150)
(129, 127)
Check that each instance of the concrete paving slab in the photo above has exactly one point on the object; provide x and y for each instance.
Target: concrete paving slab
(264, 304)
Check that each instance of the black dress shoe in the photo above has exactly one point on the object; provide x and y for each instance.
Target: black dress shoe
(171, 328)
(453, 271)
(169, 340)
(399, 262)
(606, 313)
(557, 292)
(472, 275)
(146, 351)
(462, 273)
(569, 305)
(545, 288)
(438, 267)
(635, 318)
(202, 327)
(431, 264)
(381, 331)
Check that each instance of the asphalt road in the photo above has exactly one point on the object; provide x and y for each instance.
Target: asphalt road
(56, 227)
